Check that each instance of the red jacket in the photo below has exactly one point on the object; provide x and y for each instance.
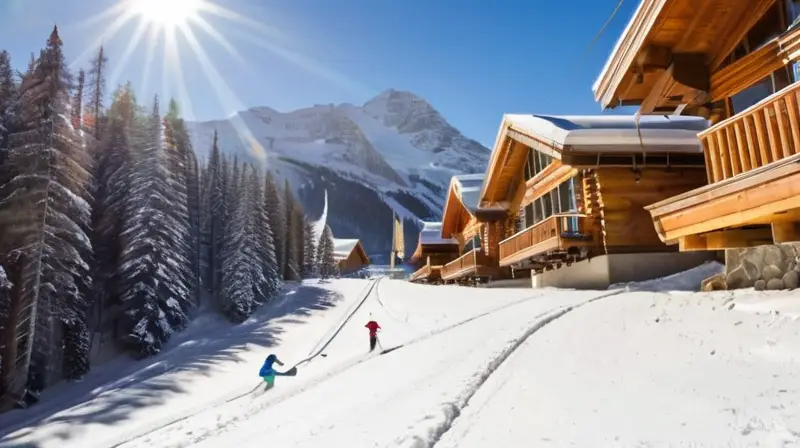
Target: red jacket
(373, 327)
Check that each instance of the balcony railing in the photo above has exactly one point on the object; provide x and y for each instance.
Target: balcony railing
(764, 133)
(554, 233)
(468, 262)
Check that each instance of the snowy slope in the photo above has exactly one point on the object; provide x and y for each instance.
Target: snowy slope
(396, 146)
(470, 367)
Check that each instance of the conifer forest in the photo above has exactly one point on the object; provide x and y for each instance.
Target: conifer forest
(113, 229)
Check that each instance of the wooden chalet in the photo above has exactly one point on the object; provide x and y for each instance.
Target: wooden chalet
(476, 231)
(432, 253)
(575, 187)
(349, 255)
(735, 62)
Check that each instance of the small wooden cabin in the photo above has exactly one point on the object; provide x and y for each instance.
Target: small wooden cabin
(736, 62)
(477, 232)
(576, 187)
(349, 255)
(432, 253)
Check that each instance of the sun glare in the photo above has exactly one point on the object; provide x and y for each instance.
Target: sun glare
(166, 13)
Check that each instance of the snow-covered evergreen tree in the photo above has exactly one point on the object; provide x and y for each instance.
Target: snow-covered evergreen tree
(292, 250)
(277, 220)
(5, 303)
(326, 263)
(214, 222)
(7, 96)
(112, 170)
(184, 183)
(77, 102)
(42, 217)
(240, 270)
(153, 263)
(309, 250)
(268, 283)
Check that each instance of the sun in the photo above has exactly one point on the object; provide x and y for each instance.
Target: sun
(166, 13)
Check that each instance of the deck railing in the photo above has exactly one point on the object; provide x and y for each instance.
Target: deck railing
(469, 260)
(568, 225)
(764, 133)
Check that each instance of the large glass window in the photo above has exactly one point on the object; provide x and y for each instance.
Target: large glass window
(750, 96)
(560, 200)
(535, 163)
(474, 243)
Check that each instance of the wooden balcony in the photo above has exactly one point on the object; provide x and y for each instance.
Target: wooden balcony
(555, 234)
(474, 263)
(427, 274)
(765, 133)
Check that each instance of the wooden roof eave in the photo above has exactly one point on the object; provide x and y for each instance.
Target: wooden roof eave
(624, 54)
(748, 191)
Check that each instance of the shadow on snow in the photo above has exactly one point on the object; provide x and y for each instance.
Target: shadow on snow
(146, 383)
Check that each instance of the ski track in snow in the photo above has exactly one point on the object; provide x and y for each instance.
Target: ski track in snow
(453, 410)
(326, 340)
(222, 425)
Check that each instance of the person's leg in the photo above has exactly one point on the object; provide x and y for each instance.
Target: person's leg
(372, 340)
(270, 380)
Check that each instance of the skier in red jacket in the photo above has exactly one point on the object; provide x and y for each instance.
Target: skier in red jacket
(373, 333)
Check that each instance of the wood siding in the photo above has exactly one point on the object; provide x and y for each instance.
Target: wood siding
(352, 263)
(626, 224)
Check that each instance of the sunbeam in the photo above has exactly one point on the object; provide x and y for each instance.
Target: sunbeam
(225, 96)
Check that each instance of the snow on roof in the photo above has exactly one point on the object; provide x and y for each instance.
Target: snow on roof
(432, 234)
(671, 133)
(617, 46)
(469, 189)
(343, 247)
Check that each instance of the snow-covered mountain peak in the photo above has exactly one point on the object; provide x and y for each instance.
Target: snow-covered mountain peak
(396, 148)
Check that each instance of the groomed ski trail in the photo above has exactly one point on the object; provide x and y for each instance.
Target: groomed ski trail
(279, 398)
(453, 410)
(325, 341)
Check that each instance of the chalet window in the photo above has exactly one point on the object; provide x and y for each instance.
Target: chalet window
(547, 205)
(530, 215)
(566, 193)
(774, 82)
(535, 163)
(474, 243)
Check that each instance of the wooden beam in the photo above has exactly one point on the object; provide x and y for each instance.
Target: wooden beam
(785, 232)
(726, 239)
(751, 13)
(656, 92)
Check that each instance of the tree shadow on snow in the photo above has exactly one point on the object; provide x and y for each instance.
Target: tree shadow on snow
(112, 391)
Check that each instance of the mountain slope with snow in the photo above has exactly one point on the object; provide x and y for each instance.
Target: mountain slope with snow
(644, 365)
(396, 152)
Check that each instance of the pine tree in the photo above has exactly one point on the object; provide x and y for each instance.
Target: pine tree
(277, 220)
(77, 103)
(112, 174)
(5, 304)
(42, 217)
(185, 178)
(97, 91)
(7, 95)
(292, 250)
(309, 251)
(268, 281)
(213, 224)
(154, 293)
(325, 260)
(239, 279)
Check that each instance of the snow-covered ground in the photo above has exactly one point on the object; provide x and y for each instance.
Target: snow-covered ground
(650, 364)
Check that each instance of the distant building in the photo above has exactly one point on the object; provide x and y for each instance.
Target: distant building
(432, 253)
(349, 255)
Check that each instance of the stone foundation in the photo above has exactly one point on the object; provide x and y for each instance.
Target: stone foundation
(763, 267)
(602, 271)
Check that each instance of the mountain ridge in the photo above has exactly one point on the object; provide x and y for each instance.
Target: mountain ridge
(396, 144)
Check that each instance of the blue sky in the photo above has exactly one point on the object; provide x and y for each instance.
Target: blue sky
(472, 60)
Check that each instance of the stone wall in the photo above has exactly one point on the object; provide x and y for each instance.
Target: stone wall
(763, 267)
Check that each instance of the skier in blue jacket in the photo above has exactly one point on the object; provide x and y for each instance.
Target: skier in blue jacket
(267, 372)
